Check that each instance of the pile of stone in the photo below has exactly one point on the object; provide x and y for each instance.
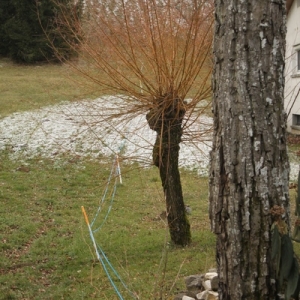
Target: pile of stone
(201, 287)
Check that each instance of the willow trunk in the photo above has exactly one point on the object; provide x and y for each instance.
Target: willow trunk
(167, 122)
(249, 164)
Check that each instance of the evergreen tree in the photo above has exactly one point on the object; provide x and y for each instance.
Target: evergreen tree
(30, 32)
(7, 11)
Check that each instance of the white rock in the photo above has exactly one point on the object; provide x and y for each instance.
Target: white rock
(207, 285)
(212, 296)
(213, 293)
(187, 298)
(214, 270)
(211, 275)
(202, 295)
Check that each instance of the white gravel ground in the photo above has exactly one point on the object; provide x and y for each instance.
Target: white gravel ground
(82, 129)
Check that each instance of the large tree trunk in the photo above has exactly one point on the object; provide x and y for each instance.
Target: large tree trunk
(249, 164)
(166, 119)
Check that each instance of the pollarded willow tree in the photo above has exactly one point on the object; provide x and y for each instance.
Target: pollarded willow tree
(156, 54)
(249, 163)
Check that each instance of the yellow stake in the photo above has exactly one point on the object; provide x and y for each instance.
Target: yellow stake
(85, 216)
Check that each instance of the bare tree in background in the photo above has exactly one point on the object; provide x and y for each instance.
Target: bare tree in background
(249, 164)
(156, 54)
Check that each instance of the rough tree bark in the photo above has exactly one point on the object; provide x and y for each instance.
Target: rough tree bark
(249, 164)
(165, 118)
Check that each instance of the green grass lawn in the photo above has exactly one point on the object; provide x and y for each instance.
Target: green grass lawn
(46, 251)
(27, 87)
(45, 247)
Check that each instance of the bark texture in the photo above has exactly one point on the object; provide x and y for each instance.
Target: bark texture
(166, 119)
(249, 164)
